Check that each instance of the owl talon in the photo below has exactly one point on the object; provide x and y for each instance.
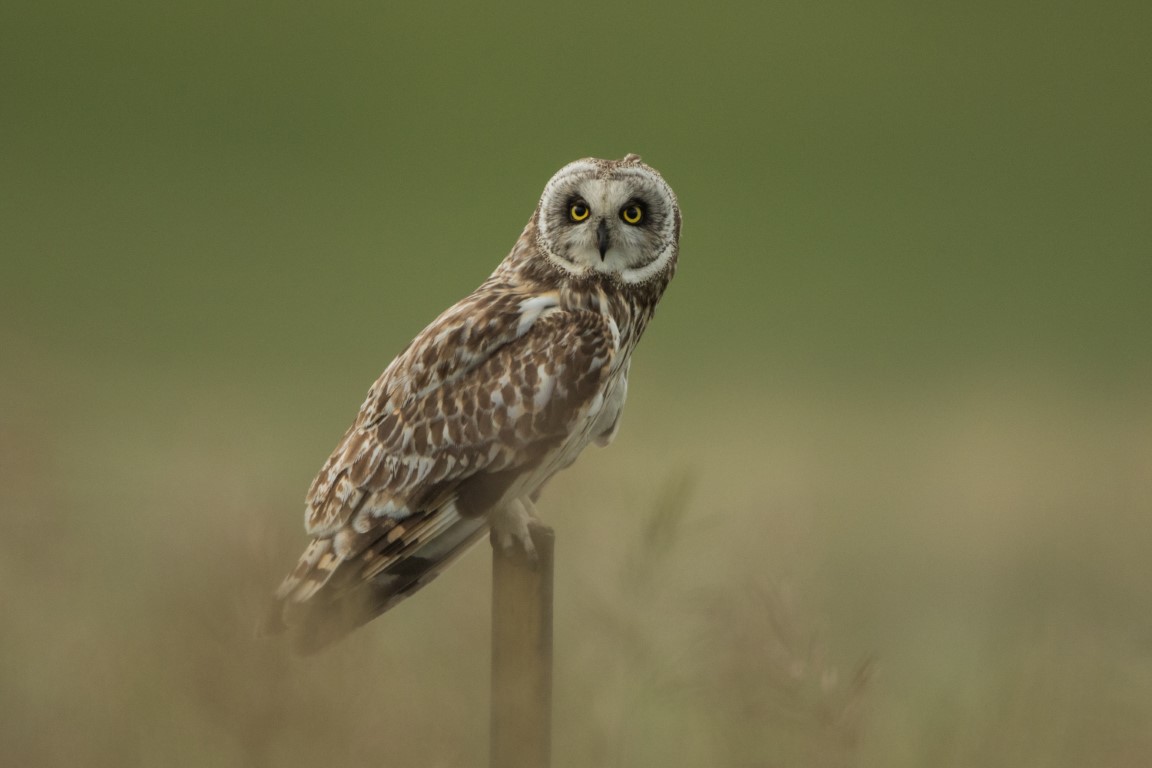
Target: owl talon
(514, 547)
(511, 531)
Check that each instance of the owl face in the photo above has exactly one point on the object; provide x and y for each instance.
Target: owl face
(616, 217)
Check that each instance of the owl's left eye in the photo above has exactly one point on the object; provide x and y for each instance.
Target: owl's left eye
(632, 214)
(579, 211)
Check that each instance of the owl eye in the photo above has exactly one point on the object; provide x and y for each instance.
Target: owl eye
(632, 214)
(579, 211)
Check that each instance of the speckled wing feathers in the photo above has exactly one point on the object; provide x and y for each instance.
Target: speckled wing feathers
(430, 436)
(385, 451)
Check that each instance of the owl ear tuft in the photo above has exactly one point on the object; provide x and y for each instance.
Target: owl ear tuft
(631, 159)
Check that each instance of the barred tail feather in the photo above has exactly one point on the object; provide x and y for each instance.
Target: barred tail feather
(317, 609)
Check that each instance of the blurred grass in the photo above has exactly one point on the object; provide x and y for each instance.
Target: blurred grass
(882, 494)
(837, 583)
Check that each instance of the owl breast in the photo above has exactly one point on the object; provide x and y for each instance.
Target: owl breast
(599, 424)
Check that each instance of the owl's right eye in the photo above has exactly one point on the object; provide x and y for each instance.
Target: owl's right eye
(579, 211)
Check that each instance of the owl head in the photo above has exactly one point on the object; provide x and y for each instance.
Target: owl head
(618, 218)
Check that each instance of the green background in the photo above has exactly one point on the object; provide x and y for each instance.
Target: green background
(896, 400)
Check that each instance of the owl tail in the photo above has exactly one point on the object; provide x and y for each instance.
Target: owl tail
(327, 596)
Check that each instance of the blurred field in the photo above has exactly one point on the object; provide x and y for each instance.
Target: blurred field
(960, 580)
(883, 495)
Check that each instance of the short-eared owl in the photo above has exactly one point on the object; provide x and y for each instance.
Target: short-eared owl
(499, 393)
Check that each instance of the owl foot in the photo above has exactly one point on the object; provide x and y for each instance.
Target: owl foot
(511, 529)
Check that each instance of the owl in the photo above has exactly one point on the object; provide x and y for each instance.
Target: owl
(504, 389)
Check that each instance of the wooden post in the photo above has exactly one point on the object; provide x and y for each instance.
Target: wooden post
(521, 728)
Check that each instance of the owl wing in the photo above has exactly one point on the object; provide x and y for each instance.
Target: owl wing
(476, 400)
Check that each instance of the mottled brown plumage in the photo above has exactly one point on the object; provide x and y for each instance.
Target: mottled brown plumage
(501, 391)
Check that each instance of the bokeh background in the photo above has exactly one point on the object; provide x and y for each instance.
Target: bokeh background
(883, 496)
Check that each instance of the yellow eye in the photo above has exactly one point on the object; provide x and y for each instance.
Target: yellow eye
(632, 214)
(579, 211)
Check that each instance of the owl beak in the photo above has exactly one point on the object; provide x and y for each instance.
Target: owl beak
(602, 238)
